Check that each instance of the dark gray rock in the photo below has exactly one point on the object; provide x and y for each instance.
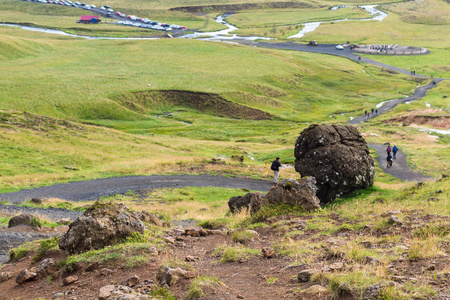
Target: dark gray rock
(250, 201)
(337, 156)
(24, 219)
(101, 225)
(301, 192)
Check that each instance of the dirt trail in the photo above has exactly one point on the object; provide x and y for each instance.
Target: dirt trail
(94, 189)
(400, 168)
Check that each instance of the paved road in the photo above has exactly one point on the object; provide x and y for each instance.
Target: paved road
(400, 168)
(420, 92)
(94, 189)
(330, 49)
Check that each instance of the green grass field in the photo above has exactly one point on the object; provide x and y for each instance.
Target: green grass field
(117, 87)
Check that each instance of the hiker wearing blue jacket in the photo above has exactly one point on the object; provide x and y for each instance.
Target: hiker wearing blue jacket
(394, 150)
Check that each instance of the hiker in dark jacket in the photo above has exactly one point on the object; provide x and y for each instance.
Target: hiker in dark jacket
(394, 150)
(276, 164)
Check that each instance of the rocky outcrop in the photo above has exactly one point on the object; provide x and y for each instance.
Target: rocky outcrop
(101, 225)
(301, 192)
(337, 156)
(251, 201)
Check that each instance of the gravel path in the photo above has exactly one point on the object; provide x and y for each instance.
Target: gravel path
(400, 168)
(94, 189)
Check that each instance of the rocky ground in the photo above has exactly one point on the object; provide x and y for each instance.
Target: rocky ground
(285, 258)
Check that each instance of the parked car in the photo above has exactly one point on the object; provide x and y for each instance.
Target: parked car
(340, 47)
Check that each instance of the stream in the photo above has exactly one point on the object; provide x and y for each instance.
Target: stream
(221, 35)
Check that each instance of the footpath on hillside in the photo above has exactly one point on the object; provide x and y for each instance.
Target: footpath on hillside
(400, 167)
(94, 189)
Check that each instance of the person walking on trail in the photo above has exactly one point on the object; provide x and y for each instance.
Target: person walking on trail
(365, 114)
(388, 150)
(394, 151)
(389, 161)
(372, 111)
(376, 111)
(276, 164)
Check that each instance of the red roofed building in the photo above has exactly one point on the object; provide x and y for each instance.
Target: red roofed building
(89, 19)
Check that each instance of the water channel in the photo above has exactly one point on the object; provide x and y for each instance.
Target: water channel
(221, 35)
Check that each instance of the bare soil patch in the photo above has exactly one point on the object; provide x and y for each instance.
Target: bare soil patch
(146, 101)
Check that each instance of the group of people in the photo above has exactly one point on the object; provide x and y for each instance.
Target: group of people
(276, 164)
(413, 72)
(390, 158)
(367, 113)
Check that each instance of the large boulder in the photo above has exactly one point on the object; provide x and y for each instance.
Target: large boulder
(101, 225)
(337, 156)
(251, 201)
(301, 192)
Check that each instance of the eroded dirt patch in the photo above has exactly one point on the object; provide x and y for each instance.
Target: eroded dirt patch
(435, 121)
(147, 101)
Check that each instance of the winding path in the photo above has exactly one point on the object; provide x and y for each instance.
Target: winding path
(400, 168)
(94, 189)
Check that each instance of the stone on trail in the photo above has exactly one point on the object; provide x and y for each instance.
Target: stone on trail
(394, 220)
(101, 225)
(301, 192)
(337, 156)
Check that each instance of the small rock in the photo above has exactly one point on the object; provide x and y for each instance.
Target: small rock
(23, 219)
(240, 297)
(372, 292)
(58, 295)
(394, 220)
(399, 278)
(106, 271)
(64, 221)
(438, 191)
(36, 201)
(153, 250)
(242, 260)
(433, 199)
(5, 276)
(371, 260)
(305, 275)
(105, 291)
(191, 258)
(133, 280)
(268, 253)
(25, 275)
(394, 212)
(45, 267)
(431, 267)
(337, 266)
(70, 279)
(169, 239)
(366, 244)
